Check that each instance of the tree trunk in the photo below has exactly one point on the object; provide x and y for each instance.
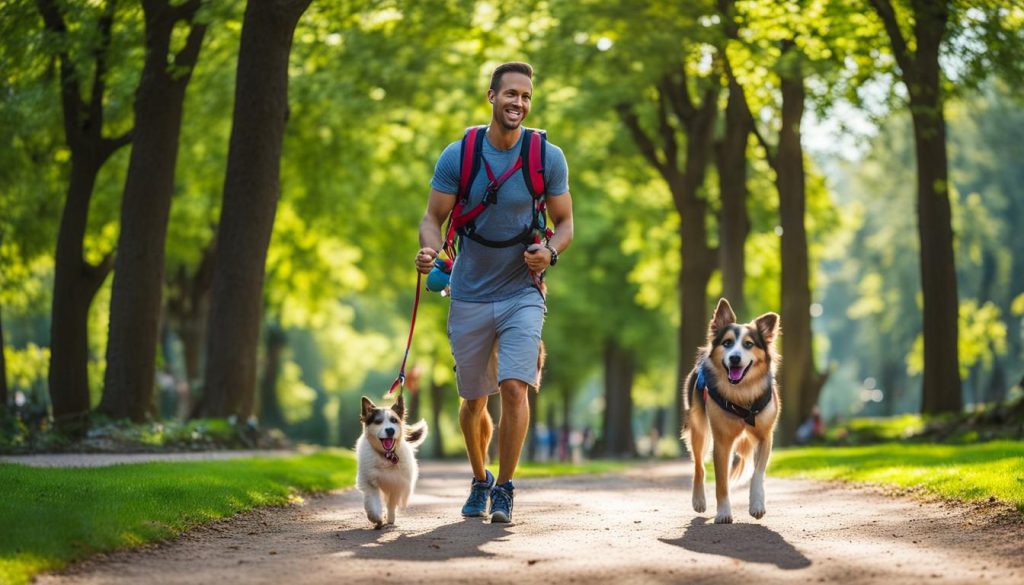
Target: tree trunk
(731, 161)
(733, 220)
(75, 284)
(941, 389)
(251, 190)
(696, 257)
(138, 273)
(188, 308)
(799, 380)
(75, 280)
(921, 74)
(270, 407)
(619, 369)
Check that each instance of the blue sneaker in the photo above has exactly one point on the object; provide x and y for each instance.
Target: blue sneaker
(476, 503)
(501, 502)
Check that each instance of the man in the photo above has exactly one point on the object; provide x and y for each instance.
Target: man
(497, 310)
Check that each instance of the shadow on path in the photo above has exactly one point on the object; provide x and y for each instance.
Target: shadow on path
(747, 542)
(462, 539)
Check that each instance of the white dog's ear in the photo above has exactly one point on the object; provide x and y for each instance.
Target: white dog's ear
(768, 326)
(724, 315)
(399, 407)
(368, 408)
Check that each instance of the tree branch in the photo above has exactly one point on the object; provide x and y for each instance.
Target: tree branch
(734, 85)
(668, 134)
(99, 272)
(904, 57)
(189, 54)
(106, 24)
(679, 93)
(643, 142)
(70, 96)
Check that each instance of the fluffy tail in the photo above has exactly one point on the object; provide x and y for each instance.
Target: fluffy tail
(416, 434)
(742, 460)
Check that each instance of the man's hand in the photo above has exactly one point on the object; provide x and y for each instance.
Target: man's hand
(537, 257)
(425, 260)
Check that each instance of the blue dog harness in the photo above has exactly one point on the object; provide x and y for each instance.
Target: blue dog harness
(705, 381)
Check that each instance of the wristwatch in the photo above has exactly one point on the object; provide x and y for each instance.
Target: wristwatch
(554, 254)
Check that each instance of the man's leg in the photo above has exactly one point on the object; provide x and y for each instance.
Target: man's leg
(515, 421)
(477, 428)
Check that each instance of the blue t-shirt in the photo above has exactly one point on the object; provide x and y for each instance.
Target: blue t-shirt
(482, 273)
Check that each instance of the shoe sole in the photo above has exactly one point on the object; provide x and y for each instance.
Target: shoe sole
(481, 514)
(500, 517)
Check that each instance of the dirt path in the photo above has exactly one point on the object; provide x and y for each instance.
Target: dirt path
(631, 528)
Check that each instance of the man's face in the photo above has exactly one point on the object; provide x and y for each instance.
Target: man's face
(511, 103)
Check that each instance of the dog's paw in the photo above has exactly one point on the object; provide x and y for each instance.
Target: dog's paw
(374, 518)
(723, 518)
(757, 509)
(378, 525)
(699, 504)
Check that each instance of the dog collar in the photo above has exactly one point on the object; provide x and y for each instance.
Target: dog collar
(747, 414)
(391, 456)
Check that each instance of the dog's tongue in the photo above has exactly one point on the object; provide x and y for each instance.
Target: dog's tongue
(388, 444)
(735, 374)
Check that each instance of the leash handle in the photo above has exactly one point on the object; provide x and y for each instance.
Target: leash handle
(399, 382)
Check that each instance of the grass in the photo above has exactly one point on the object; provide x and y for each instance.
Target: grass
(964, 472)
(53, 516)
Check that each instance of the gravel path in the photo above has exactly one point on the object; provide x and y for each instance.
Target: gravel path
(627, 528)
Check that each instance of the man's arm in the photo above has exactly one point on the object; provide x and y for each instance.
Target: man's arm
(560, 212)
(439, 206)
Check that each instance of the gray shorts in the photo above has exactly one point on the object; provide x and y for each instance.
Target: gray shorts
(495, 341)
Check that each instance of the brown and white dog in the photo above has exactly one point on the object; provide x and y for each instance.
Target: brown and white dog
(386, 457)
(731, 400)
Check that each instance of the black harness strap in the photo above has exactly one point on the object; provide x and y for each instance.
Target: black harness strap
(706, 382)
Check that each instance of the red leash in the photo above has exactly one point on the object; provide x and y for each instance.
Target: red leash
(400, 380)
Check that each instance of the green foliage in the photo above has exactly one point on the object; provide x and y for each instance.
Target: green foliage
(54, 516)
(963, 472)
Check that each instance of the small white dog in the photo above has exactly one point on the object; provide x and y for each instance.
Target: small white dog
(386, 454)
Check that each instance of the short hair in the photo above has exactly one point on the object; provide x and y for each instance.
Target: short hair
(511, 67)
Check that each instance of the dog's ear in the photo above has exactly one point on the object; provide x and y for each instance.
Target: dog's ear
(724, 315)
(399, 406)
(368, 408)
(768, 326)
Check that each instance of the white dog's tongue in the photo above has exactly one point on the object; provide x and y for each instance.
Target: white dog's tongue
(388, 444)
(735, 374)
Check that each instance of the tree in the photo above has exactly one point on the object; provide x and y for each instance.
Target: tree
(76, 280)
(731, 164)
(138, 269)
(922, 75)
(251, 190)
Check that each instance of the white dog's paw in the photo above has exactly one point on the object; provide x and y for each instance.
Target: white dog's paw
(757, 509)
(374, 518)
(724, 515)
(699, 504)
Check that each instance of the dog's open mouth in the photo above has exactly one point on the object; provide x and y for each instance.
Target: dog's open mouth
(388, 444)
(736, 373)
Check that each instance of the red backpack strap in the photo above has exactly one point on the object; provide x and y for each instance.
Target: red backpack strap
(470, 157)
(534, 149)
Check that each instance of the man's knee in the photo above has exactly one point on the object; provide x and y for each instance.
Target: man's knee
(474, 407)
(513, 391)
